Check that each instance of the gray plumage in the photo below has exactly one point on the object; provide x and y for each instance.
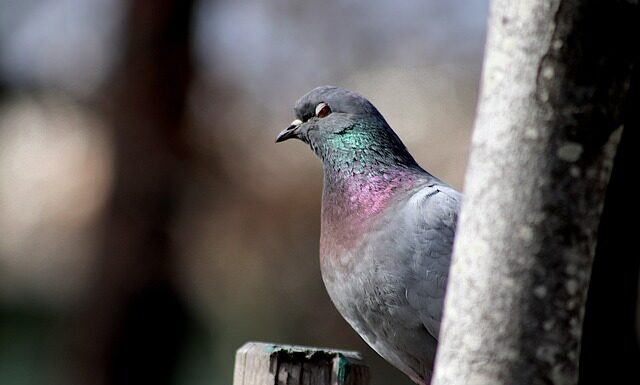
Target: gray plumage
(387, 228)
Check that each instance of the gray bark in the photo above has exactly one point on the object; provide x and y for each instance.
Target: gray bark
(556, 74)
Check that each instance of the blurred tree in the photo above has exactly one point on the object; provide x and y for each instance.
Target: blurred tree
(134, 324)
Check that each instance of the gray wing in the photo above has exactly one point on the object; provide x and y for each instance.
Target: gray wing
(430, 218)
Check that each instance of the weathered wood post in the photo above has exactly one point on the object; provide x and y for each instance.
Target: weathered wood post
(259, 363)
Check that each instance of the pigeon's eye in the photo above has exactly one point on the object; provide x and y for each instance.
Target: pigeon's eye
(322, 110)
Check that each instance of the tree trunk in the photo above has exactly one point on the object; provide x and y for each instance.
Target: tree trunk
(550, 116)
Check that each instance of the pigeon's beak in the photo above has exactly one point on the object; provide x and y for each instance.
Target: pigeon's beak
(289, 132)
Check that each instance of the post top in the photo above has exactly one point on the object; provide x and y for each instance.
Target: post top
(257, 347)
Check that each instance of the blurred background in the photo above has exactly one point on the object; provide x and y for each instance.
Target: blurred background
(149, 225)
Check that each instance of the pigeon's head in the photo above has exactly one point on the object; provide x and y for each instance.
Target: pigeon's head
(330, 118)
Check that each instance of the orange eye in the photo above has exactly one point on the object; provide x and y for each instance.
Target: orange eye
(322, 110)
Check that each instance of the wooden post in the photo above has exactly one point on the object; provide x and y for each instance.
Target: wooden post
(259, 363)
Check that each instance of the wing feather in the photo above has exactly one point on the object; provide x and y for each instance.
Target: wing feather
(430, 218)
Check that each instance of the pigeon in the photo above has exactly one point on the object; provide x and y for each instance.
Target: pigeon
(387, 228)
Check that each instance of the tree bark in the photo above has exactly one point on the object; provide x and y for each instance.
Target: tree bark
(556, 75)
